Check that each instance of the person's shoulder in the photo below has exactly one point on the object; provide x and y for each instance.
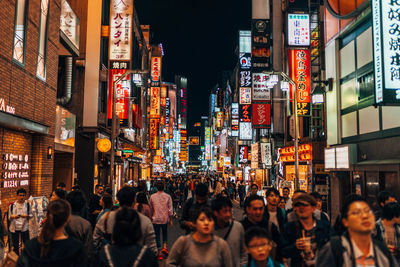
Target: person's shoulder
(323, 223)
(221, 241)
(143, 218)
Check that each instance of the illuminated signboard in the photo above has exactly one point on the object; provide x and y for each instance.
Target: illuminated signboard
(298, 29)
(245, 95)
(386, 32)
(300, 72)
(261, 115)
(155, 102)
(245, 131)
(184, 154)
(16, 168)
(194, 140)
(235, 110)
(208, 143)
(287, 154)
(254, 155)
(245, 61)
(120, 30)
(244, 41)
(167, 110)
(155, 71)
(65, 127)
(69, 23)
(183, 106)
(261, 91)
(212, 102)
(245, 113)
(245, 78)
(122, 96)
(243, 154)
(153, 129)
(266, 157)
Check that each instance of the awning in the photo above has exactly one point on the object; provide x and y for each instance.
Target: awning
(379, 162)
(21, 124)
(131, 146)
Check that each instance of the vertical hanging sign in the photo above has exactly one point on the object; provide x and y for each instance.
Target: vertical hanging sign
(299, 69)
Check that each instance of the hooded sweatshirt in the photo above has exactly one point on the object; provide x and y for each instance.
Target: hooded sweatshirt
(63, 253)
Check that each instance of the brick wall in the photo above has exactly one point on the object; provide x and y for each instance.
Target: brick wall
(32, 98)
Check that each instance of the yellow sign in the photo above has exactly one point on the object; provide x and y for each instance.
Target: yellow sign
(104, 145)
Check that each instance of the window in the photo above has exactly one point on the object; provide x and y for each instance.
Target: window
(19, 31)
(41, 63)
(366, 86)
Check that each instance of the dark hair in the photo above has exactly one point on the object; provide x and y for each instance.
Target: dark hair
(206, 210)
(221, 202)
(107, 200)
(391, 210)
(286, 188)
(383, 196)
(61, 184)
(201, 190)
(60, 193)
(255, 231)
(272, 190)
(160, 185)
(108, 190)
(21, 190)
(251, 186)
(253, 198)
(127, 223)
(316, 195)
(141, 199)
(58, 212)
(76, 187)
(350, 200)
(77, 200)
(126, 196)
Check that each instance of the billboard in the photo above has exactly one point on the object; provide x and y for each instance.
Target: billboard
(261, 91)
(245, 113)
(261, 115)
(300, 73)
(155, 71)
(123, 90)
(298, 30)
(245, 78)
(243, 154)
(153, 129)
(194, 140)
(386, 31)
(207, 143)
(121, 13)
(244, 41)
(235, 120)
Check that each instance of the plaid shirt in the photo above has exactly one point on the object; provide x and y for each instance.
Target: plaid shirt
(379, 232)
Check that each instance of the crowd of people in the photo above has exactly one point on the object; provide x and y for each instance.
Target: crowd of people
(276, 229)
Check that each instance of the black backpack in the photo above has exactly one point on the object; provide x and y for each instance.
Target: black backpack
(337, 250)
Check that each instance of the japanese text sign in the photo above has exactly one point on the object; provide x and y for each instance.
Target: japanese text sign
(120, 29)
(153, 129)
(155, 102)
(299, 69)
(261, 115)
(245, 131)
(243, 154)
(122, 96)
(386, 39)
(245, 95)
(155, 70)
(69, 23)
(261, 92)
(245, 113)
(245, 78)
(298, 30)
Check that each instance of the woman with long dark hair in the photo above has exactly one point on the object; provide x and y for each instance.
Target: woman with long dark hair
(53, 247)
(125, 250)
(142, 205)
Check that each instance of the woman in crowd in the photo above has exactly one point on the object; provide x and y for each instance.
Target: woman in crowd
(125, 250)
(58, 194)
(53, 247)
(201, 248)
(142, 205)
(106, 202)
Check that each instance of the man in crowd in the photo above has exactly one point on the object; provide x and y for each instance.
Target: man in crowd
(192, 205)
(384, 197)
(255, 217)
(19, 214)
(94, 203)
(253, 191)
(272, 212)
(161, 206)
(228, 229)
(105, 225)
(356, 247)
(303, 237)
(286, 196)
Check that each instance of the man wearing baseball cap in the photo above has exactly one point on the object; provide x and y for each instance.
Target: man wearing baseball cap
(302, 238)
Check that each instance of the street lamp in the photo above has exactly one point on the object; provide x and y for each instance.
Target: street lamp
(114, 125)
(286, 78)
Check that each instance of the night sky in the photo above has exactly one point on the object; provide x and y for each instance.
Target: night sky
(199, 39)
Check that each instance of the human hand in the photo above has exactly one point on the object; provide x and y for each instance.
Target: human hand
(301, 244)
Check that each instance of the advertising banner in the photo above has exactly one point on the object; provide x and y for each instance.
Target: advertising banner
(245, 95)
(184, 153)
(155, 102)
(261, 92)
(254, 155)
(245, 131)
(69, 23)
(194, 140)
(298, 30)
(155, 71)
(262, 115)
(235, 120)
(245, 42)
(153, 129)
(208, 143)
(121, 13)
(220, 120)
(243, 154)
(266, 155)
(245, 113)
(245, 78)
(122, 97)
(386, 32)
(261, 45)
(300, 73)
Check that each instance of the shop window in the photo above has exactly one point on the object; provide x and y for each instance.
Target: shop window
(366, 86)
(21, 10)
(42, 49)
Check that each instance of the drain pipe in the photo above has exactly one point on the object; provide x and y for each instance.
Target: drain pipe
(67, 83)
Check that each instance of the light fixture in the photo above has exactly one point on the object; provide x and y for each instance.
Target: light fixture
(50, 152)
(285, 86)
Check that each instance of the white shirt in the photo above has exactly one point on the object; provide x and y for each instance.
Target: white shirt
(274, 218)
(19, 224)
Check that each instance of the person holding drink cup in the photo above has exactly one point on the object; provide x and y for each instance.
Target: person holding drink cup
(302, 238)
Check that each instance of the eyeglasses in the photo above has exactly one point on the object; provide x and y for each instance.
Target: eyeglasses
(264, 245)
(359, 212)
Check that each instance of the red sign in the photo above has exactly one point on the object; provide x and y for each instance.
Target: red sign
(154, 123)
(155, 102)
(122, 94)
(261, 115)
(155, 69)
(300, 72)
(245, 113)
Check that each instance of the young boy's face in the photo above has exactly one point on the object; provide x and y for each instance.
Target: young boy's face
(259, 248)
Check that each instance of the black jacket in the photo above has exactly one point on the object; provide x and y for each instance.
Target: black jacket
(126, 256)
(282, 219)
(292, 231)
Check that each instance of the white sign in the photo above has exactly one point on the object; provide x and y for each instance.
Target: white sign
(245, 95)
(261, 92)
(121, 29)
(254, 156)
(266, 157)
(342, 157)
(298, 29)
(245, 131)
(235, 110)
(386, 32)
(330, 158)
(244, 41)
(69, 23)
